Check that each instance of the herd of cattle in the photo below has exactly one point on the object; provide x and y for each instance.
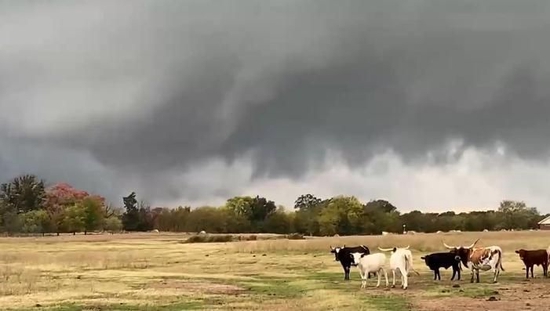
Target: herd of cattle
(474, 258)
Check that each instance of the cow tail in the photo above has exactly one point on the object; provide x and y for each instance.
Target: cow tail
(500, 260)
(409, 264)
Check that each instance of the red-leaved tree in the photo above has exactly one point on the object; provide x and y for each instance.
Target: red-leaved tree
(71, 209)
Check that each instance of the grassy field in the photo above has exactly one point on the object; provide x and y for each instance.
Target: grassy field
(160, 272)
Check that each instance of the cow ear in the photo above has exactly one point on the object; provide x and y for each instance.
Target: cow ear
(517, 252)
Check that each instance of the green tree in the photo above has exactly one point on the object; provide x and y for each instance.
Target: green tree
(23, 194)
(306, 218)
(112, 224)
(341, 215)
(74, 220)
(210, 219)
(261, 209)
(516, 215)
(131, 216)
(174, 219)
(307, 202)
(240, 205)
(10, 221)
(93, 213)
(235, 222)
(34, 221)
(278, 222)
(380, 215)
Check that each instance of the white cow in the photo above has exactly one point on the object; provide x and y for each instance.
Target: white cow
(368, 264)
(401, 259)
(548, 252)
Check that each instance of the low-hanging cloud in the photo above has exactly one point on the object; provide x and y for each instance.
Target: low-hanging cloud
(138, 94)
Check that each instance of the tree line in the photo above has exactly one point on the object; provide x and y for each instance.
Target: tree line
(27, 205)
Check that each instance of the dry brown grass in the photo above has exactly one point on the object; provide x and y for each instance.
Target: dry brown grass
(147, 271)
(423, 242)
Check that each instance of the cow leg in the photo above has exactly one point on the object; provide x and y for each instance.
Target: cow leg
(385, 276)
(477, 275)
(404, 279)
(532, 271)
(545, 269)
(458, 272)
(496, 272)
(346, 273)
(472, 278)
(393, 278)
(454, 273)
(363, 279)
(379, 279)
(435, 274)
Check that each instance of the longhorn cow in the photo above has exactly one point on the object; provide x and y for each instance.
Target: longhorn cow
(479, 258)
(401, 259)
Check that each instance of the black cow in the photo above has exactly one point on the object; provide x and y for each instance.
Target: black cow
(443, 260)
(343, 255)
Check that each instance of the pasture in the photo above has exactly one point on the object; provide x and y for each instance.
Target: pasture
(159, 272)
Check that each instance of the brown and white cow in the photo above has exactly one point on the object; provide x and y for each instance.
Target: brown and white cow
(479, 258)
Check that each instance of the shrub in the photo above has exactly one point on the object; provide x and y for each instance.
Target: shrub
(209, 238)
(295, 236)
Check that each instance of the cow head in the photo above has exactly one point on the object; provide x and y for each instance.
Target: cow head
(355, 258)
(462, 253)
(336, 251)
(521, 253)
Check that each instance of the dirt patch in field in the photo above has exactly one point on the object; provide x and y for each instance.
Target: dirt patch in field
(199, 287)
(516, 297)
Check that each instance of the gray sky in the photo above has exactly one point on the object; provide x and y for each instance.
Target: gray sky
(433, 105)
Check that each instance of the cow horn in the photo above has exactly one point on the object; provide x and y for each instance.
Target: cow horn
(385, 249)
(407, 247)
(473, 244)
(331, 248)
(447, 246)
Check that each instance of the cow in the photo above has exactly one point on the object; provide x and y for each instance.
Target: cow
(531, 258)
(401, 259)
(346, 260)
(370, 263)
(479, 258)
(443, 260)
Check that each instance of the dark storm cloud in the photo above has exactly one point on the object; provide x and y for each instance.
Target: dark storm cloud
(159, 86)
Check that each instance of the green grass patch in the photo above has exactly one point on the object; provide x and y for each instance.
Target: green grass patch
(274, 287)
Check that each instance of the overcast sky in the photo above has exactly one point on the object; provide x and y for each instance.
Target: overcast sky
(432, 105)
